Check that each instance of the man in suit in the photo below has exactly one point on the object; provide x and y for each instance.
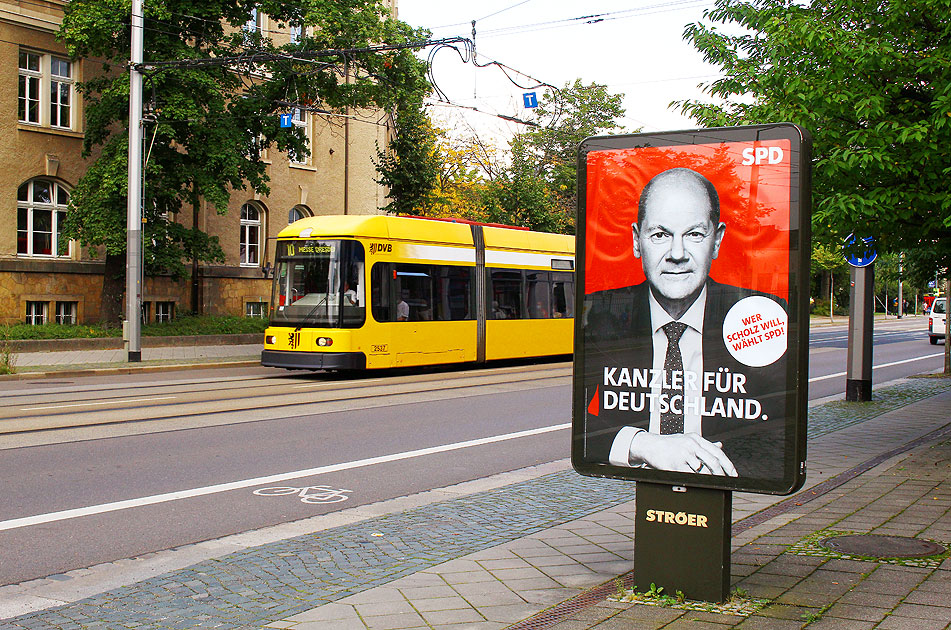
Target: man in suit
(666, 391)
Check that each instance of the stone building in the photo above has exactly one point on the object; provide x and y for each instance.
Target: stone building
(44, 279)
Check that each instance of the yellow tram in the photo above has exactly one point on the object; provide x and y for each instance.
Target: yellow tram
(366, 292)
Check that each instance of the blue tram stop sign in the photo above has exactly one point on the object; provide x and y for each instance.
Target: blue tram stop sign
(859, 251)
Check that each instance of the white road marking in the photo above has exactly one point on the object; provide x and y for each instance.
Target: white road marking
(104, 402)
(875, 367)
(63, 515)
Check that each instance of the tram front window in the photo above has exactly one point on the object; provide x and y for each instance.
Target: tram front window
(319, 283)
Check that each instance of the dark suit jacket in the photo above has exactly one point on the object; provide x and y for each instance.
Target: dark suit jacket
(617, 333)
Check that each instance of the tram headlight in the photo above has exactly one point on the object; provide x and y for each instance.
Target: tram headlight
(270, 340)
(324, 341)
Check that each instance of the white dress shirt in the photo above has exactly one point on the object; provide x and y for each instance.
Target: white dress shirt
(691, 349)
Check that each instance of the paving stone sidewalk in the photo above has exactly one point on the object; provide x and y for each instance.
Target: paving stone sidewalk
(85, 360)
(491, 559)
(556, 571)
(801, 584)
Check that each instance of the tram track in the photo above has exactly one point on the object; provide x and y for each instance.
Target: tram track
(163, 410)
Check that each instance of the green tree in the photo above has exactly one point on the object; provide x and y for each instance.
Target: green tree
(410, 165)
(871, 81)
(827, 260)
(516, 199)
(218, 86)
(468, 165)
(549, 153)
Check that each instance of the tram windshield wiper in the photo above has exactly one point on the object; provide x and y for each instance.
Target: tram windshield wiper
(312, 311)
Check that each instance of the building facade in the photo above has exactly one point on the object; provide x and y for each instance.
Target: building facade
(46, 279)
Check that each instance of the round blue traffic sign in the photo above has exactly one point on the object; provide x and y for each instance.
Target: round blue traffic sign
(859, 252)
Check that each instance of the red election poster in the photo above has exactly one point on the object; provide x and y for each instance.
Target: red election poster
(693, 250)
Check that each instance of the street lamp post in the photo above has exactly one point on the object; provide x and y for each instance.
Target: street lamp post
(133, 277)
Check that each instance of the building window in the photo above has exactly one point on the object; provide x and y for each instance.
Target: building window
(164, 311)
(61, 90)
(41, 213)
(296, 214)
(36, 313)
(299, 120)
(45, 90)
(255, 22)
(250, 239)
(30, 78)
(255, 309)
(66, 312)
(297, 33)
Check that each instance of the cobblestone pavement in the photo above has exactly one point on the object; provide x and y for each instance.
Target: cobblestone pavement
(495, 558)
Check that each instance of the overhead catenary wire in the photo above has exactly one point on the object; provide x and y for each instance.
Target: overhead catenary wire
(463, 46)
(589, 19)
(517, 4)
(253, 56)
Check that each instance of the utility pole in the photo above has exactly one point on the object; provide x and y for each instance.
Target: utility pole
(901, 299)
(858, 380)
(133, 274)
(860, 254)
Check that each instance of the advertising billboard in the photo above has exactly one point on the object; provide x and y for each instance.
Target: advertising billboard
(691, 349)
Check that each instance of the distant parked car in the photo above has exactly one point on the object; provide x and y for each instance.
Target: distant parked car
(939, 310)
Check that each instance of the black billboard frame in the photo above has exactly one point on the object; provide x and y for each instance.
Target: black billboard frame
(796, 399)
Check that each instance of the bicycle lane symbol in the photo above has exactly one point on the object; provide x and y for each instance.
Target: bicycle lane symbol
(307, 494)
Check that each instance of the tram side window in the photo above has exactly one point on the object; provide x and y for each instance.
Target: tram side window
(562, 295)
(530, 294)
(403, 292)
(506, 296)
(538, 293)
(452, 293)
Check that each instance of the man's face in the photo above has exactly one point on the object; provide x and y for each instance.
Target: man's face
(677, 242)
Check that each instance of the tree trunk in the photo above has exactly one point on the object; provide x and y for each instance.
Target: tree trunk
(196, 300)
(831, 299)
(113, 290)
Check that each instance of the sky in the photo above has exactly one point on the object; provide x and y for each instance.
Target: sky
(635, 48)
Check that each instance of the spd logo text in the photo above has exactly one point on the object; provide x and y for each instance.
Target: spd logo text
(760, 155)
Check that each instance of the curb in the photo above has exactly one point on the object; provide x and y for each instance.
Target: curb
(116, 343)
(127, 369)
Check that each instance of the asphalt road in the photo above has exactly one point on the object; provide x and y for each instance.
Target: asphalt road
(158, 461)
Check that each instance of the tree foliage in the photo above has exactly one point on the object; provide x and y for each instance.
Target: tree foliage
(218, 86)
(550, 152)
(410, 165)
(432, 173)
(870, 80)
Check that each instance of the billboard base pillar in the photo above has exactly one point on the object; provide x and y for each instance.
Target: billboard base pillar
(858, 390)
(682, 540)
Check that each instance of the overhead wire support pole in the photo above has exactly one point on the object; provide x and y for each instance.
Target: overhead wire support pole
(133, 275)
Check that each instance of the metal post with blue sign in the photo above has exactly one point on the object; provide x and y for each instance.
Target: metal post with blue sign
(860, 254)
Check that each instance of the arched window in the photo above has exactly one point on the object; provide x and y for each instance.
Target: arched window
(251, 238)
(297, 213)
(41, 213)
